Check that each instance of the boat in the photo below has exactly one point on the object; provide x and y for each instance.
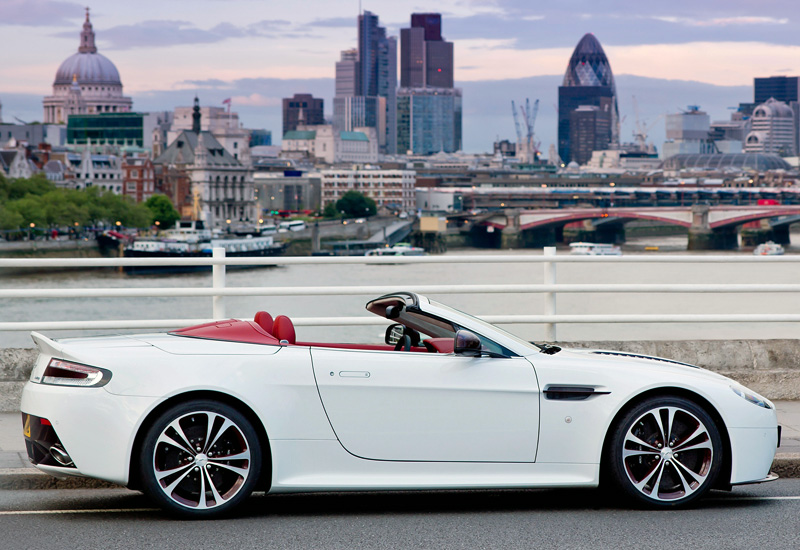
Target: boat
(192, 240)
(400, 249)
(769, 248)
(595, 249)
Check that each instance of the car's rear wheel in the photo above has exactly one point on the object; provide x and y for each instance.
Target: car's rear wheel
(200, 459)
(665, 452)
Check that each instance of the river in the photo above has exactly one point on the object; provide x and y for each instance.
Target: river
(401, 276)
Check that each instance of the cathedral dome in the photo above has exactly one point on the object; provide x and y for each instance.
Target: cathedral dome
(88, 66)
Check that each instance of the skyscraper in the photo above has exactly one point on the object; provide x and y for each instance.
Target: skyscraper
(587, 82)
(428, 106)
(302, 109)
(781, 88)
(366, 83)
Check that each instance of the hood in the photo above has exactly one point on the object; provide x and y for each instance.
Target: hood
(601, 356)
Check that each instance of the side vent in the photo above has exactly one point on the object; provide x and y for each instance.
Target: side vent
(571, 393)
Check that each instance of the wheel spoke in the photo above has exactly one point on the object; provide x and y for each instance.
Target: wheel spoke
(171, 487)
(212, 418)
(181, 442)
(161, 474)
(225, 425)
(681, 469)
(210, 482)
(239, 471)
(658, 472)
(244, 455)
(683, 445)
(626, 453)
(638, 441)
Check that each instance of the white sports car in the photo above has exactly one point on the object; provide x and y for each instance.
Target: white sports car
(200, 417)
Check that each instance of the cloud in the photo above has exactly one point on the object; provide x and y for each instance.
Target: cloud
(163, 33)
(334, 22)
(256, 100)
(722, 21)
(39, 13)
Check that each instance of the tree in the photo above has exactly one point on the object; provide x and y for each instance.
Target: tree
(330, 211)
(356, 205)
(162, 210)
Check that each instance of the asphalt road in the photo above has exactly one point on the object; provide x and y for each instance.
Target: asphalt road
(763, 516)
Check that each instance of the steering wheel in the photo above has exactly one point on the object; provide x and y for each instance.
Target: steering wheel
(404, 343)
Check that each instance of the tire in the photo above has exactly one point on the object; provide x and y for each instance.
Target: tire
(665, 471)
(195, 472)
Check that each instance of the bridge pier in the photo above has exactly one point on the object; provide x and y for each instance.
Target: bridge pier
(702, 237)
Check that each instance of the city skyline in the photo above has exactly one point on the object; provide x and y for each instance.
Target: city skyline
(255, 50)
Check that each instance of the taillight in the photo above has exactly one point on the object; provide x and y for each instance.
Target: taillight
(67, 373)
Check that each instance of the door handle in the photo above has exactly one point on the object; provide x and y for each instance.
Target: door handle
(354, 374)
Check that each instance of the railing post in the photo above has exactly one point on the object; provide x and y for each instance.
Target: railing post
(550, 297)
(218, 281)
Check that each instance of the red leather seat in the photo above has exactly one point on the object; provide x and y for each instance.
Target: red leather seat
(264, 320)
(283, 329)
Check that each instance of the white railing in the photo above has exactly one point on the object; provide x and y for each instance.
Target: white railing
(550, 318)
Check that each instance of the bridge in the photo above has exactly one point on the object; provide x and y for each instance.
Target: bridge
(709, 227)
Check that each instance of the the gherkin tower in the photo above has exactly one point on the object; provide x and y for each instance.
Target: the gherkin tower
(587, 97)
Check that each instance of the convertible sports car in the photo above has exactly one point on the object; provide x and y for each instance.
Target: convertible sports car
(200, 417)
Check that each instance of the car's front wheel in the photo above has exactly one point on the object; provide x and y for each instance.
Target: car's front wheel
(200, 459)
(665, 452)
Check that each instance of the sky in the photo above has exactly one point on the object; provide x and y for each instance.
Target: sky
(667, 55)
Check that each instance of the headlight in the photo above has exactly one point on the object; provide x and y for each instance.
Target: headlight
(67, 373)
(751, 397)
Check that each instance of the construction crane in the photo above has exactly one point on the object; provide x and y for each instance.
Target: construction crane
(526, 142)
(642, 128)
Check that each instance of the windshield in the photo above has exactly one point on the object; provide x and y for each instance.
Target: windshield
(489, 326)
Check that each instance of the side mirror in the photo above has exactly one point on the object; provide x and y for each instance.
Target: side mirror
(394, 333)
(467, 344)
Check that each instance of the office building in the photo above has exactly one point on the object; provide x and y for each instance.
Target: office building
(389, 188)
(781, 88)
(366, 84)
(428, 120)
(589, 131)
(428, 106)
(587, 82)
(772, 129)
(688, 132)
(302, 109)
(426, 59)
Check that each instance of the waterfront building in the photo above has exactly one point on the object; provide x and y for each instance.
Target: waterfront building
(366, 84)
(429, 120)
(588, 81)
(260, 138)
(688, 132)
(388, 188)
(330, 145)
(223, 124)
(428, 106)
(116, 129)
(96, 170)
(302, 109)
(138, 177)
(772, 129)
(52, 134)
(204, 180)
(289, 190)
(86, 83)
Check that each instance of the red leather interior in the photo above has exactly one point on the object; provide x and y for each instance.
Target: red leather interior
(367, 347)
(231, 330)
(439, 345)
(264, 319)
(283, 329)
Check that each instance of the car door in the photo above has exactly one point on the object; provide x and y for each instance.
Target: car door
(387, 405)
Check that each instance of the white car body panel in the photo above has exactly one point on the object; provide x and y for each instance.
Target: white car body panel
(418, 420)
(429, 407)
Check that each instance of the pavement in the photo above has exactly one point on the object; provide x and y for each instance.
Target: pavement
(16, 472)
